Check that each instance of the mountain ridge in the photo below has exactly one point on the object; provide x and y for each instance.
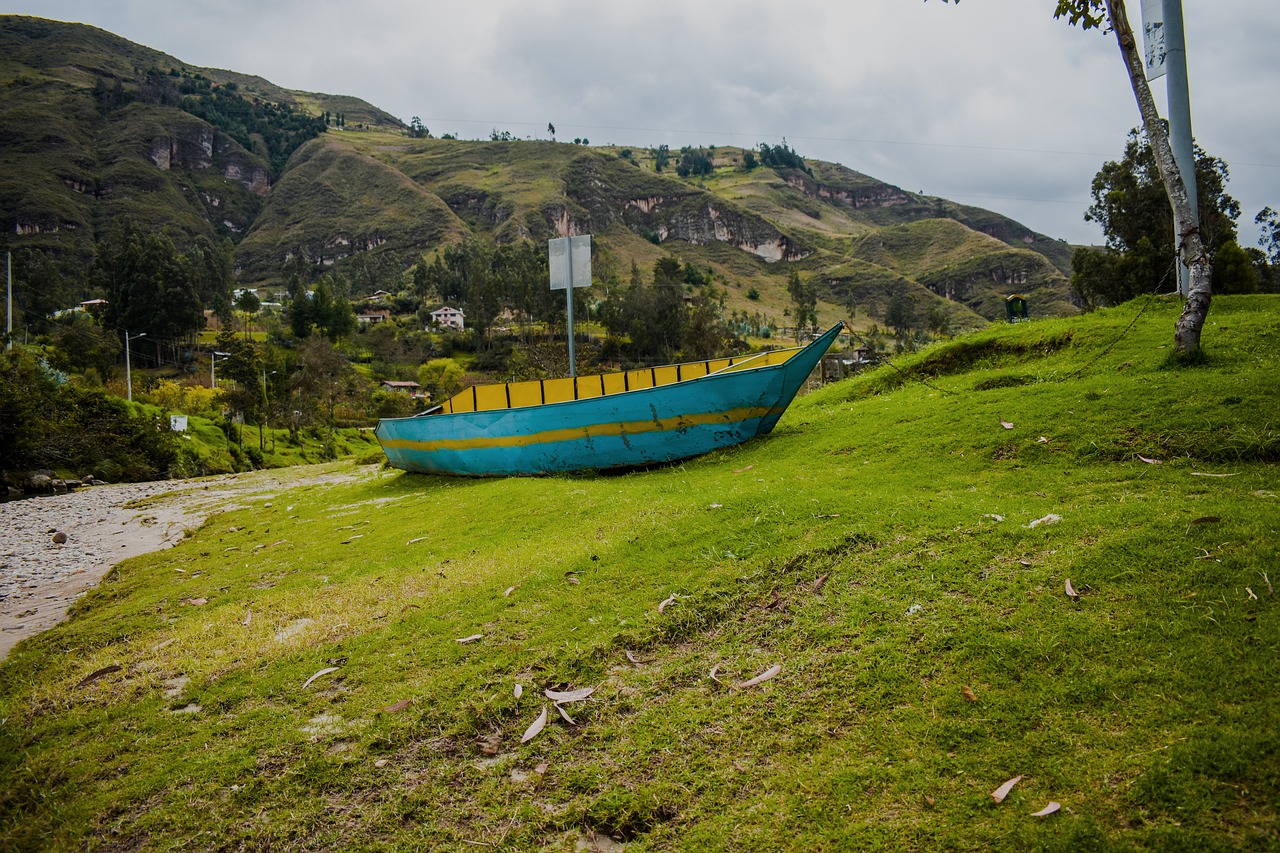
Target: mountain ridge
(98, 128)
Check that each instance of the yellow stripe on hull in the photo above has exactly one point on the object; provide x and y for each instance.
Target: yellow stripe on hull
(586, 431)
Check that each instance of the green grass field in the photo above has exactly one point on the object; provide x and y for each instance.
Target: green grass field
(898, 552)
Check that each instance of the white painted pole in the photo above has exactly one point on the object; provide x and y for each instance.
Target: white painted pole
(1180, 138)
(573, 365)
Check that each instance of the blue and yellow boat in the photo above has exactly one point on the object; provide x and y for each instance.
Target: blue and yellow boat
(611, 420)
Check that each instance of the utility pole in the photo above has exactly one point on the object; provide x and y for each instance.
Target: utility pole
(128, 371)
(1165, 56)
(1179, 94)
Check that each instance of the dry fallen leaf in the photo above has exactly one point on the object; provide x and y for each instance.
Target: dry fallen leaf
(197, 601)
(565, 714)
(1051, 518)
(419, 539)
(631, 656)
(929, 801)
(741, 470)
(247, 616)
(519, 690)
(761, 678)
(1204, 519)
(1006, 424)
(569, 695)
(98, 673)
(820, 582)
(541, 769)
(510, 590)
(397, 707)
(1150, 461)
(1052, 808)
(535, 727)
(715, 669)
(1071, 591)
(667, 601)
(968, 693)
(1042, 440)
(352, 539)
(1003, 791)
(471, 639)
(574, 581)
(325, 671)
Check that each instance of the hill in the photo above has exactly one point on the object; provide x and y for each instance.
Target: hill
(94, 129)
(1038, 555)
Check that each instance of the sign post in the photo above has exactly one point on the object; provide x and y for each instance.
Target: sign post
(570, 262)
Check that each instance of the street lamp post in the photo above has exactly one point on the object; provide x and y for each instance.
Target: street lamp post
(128, 370)
(213, 363)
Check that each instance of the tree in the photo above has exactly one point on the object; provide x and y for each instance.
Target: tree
(1269, 221)
(1190, 242)
(1129, 201)
(417, 130)
(441, 377)
(551, 129)
(248, 303)
(661, 157)
(1111, 16)
(900, 315)
(804, 302)
(1130, 204)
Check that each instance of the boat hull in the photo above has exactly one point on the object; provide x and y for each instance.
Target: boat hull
(635, 428)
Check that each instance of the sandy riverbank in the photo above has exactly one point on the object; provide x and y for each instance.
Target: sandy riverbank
(40, 579)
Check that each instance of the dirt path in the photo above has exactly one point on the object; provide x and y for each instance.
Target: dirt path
(40, 578)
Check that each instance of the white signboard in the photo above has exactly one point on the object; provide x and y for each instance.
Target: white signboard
(570, 261)
(1153, 38)
(178, 423)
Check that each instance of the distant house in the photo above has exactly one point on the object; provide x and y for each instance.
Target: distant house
(373, 315)
(447, 318)
(413, 389)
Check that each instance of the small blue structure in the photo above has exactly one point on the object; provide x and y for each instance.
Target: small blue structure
(1015, 305)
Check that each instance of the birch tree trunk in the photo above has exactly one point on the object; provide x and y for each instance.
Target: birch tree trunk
(1190, 245)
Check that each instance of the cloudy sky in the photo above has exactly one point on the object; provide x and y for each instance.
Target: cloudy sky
(991, 103)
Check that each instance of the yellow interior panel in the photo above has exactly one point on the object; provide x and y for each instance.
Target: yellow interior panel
(665, 375)
(535, 393)
(558, 390)
(614, 383)
(525, 394)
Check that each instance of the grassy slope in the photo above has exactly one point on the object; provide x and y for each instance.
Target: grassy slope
(877, 546)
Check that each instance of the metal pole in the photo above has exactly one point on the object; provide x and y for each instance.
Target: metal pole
(1180, 138)
(568, 295)
(8, 322)
(128, 372)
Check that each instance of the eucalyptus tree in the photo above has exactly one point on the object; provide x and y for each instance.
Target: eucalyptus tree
(1110, 16)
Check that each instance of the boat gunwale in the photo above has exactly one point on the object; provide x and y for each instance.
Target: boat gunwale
(743, 367)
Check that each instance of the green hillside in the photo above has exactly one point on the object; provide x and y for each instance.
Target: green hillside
(1040, 554)
(94, 129)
